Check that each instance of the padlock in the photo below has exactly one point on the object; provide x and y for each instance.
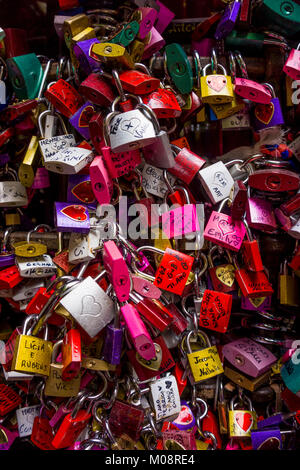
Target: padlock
(81, 51)
(256, 304)
(148, 212)
(26, 73)
(137, 331)
(164, 103)
(9, 277)
(222, 230)
(225, 110)
(97, 90)
(80, 190)
(216, 88)
(153, 43)
(9, 400)
(7, 437)
(25, 418)
(283, 15)
(7, 257)
(113, 342)
(64, 98)
(246, 88)
(292, 65)
(36, 267)
(116, 269)
(132, 129)
(69, 160)
(83, 247)
(267, 115)
(241, 421)
(251, 253)
(221, 275)
(119, 164)
(266, 439)
(159, 153)
(204, 363)
(12, 193)
(238, 200)
(71, 427)
(71, 217)
(125, 33)
(179, 68)
(215, 310)
(217, 181)
(93, 309)
(253, 283)
(126, 418)
(288, 287)
(71, 355)
(80, 120)
(228, 20)
(29, 164)
(101, 181)
(30, 249)
(165, 398)
(248, 356)
(187, 164)
(32, 354)
(139, 83)
(55, 386)
(274, 180)
(164, 18)
(73, 26)
(112, 55)
(26, 289)
(146, 18)
(153, 311)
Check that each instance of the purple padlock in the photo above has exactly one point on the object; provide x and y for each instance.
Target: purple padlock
(4, 158)
(7, 257)
(80, 120)
(260, 214)
(228, 20)
(267, 115)
(9, 437)
(185, 420)
(154, 44)
(112, 347)
(41, 179)
(164, 17)
(82, 53)
(266, 439)
(248, 356)
(71, 217)
(258, 304)
(80, 190)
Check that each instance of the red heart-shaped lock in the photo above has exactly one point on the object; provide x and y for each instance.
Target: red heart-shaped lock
(264, 112)
(83, 191)
(85, 116)
(243, 420)
(75, 212)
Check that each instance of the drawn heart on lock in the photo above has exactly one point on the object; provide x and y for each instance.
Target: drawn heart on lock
(220, 179)
(130, 125)
(83, 191)
(74, 212)
(185, 416)
(89, 307)
(243, 420)
(85, 116)
(256, 302)
(264, 112)
(226, 227)
(216, 82)
(272, 443)
(152, 364)
(225, 274)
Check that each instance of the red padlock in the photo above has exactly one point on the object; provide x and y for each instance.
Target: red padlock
(71, 354)
(71, 427)
(173, 271)
(97, 90)
(164, 103)
(253, 284)
(274, 180)
(10, 277)
(64, 98)
(251, 253)
(138, 83)
(215, 310)
(102, 184)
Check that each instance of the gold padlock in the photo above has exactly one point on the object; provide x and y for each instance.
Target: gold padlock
(205, 362)
(111, 54)
(225, 110)
(241, 421)
(216, 88)
(32, 354)
(136, 50)
(30, 162)
(74, 26)
(12, 219)
(55, 386)
(30, 249)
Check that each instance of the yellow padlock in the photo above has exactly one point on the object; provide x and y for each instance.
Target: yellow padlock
(111, 54)
(32, 354)
(30, 249)
(30, 162)
(241, 421)
(205, 362)
(74, 26)
(216, 88)
(225, 110)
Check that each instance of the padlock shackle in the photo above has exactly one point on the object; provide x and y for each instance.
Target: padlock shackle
(242, 64)
(55, 349)
(49, 229)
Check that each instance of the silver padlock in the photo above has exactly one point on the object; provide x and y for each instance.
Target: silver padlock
(81, 246)
(132, 129)
(153, 180)
(89, 305)
(25, 419)
(217, 181)
(69, 161)
(26, 289)
(12, 193)
(165, 398)
(50, 146)
(41, 266)
(160, 153)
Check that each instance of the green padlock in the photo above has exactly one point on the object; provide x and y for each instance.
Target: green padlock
(26, 74)
(282, 15)
(127, 34)
(179, 68)
(250, 43)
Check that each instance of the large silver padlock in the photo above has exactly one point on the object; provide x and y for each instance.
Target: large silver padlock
(50, 146)
(12, 193)
(82, 246)
(89, 305)
(132, 129)
(41, 266)
(160, 153)
(217, 181)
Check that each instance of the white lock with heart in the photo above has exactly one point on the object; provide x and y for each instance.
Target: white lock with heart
(217, 181)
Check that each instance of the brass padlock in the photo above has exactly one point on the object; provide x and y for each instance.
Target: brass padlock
(241, 421)
(32, 354)
(55, 386)
(216, 88)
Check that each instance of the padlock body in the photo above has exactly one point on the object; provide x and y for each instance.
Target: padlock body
(252, 91)
(216, 89)
(253, 284)
(215, 310)
(224, 231)
(241, 422)
(32, 355)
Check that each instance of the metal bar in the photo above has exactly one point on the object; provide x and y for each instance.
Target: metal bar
(49, 238)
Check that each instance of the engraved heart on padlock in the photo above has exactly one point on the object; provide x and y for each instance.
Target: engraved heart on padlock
(264, 112)
(226, 227)
(75, 212)
(225, 274)
(243, 420)
(83, 191)
(152, 364)
(130, 125)
(258, 301)
(85, 116)
(216, 82)
(89, 306)
(220, 179)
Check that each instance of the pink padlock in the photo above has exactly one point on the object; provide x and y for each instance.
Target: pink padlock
(154, 43)
(164, 18)
(117, 270)
(147, 17)
(260, 214)
(101, 181)
(41, 179)
(292, 65)
(120, 164)
(182, 220)
(138, 333)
